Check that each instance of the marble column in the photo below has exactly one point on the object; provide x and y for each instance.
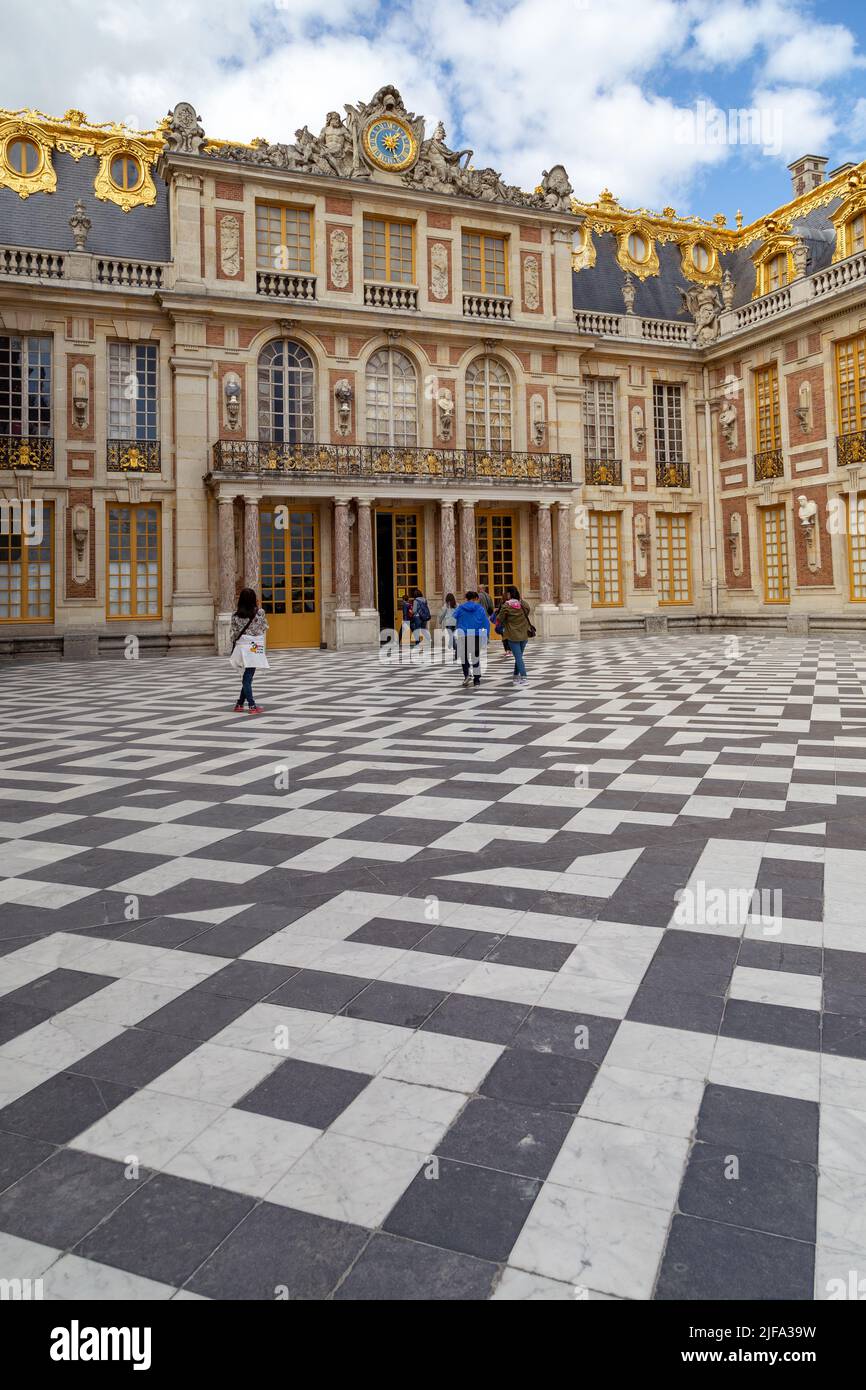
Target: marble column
(366, 575)
(563, 548)
(545, 553)
(226, 553)
(252, 563)
(447, 548)
(341, 555)
(468, 563)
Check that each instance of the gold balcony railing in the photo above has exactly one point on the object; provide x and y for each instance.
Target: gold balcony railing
(244, 457)
(851, 448)
(769, 463)
(673, 474)
(604, 472)
(133, 456)
(34, 451)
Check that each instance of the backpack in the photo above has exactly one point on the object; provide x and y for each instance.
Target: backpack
(420, 611)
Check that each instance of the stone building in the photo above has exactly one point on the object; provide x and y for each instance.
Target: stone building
(339, 368)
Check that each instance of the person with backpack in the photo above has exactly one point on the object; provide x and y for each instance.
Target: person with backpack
(448, 622)
(473, 630)
(420, 614)
(513, 622)
(497, 604)
(247, 621)
(486, 601)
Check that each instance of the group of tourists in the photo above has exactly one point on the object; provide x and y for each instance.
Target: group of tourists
(466, 625)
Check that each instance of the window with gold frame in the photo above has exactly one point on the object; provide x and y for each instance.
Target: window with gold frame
(485, 264)
(133, 570)
(604, 563)
(488, 405)
(857, 548)
(389, 251)
(855, 234)
(768, 426)
(674, 558)
(496, 545)
(774, 536)
(851, 383)
(284, 238)
(27, 571)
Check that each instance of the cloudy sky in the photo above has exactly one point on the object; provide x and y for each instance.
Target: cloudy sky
(644, 96)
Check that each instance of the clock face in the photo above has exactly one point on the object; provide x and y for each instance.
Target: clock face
(390, 144)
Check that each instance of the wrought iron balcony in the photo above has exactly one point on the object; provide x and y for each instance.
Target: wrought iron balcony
(133, 456)
(33, 451)
(604, 472)
(769, 463)
(245, 457)
(673, 475)
(851, 448)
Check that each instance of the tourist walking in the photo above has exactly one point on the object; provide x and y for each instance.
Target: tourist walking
(497, 604)
(473, 630)
(448, 622)
(486, 601)
(248, 623)
(419, 615)
(513, 622)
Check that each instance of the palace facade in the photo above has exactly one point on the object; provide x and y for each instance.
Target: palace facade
(336, 369)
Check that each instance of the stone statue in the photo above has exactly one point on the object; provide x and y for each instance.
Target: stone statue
(702, 302)
(445, 407)
(728, 424)
(80, 224)
(438, 169)
(628, 294)
(344, 395)
(728, 289)
(556, 190)
(184, 132)
(335, 145)
(801, 256)
(807, 511)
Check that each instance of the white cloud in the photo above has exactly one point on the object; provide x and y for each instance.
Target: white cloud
(591, 83)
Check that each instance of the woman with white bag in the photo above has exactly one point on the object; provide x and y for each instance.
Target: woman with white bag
(249, 625)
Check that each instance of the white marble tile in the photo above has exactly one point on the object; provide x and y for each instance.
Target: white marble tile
(17, 1078)
(15, 972)
(402, 1115)
(437, 1059)
(841, 1222)
(511, 983)
(644, 1100)
(450, 808)
(149, 1127)
(120, 958)
(348, 1179)
(216, 1074)
(125, 1002)
(614, 951)
(842, 1139)
(59, 1042)
(242, 1152)
(608, 998)
(670, 1051)
(843, 1081)
(755, 1066)
(60, 949)
(601, 1242)
(429, 971)
(840, 1276)
(179, 969)
(270, 1028)
(519, 1286)
(24, 1259)
(353, 1044)
(173, 840)
(783, 987)
(614, 1160)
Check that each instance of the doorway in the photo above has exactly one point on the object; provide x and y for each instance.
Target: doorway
(399, 562)
(289, 544)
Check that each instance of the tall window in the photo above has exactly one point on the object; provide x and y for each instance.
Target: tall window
(484, 263)
(599, 421)
(857, 548)
(775, 540)
(851, 384)
(25, 386)
(26, 580)
(389, 251)
(768, 427)
(133, 562)
(488, 405)
(284, 237)
(603, 556)
(668, 423)
(855, 234)
(286, 400)
(392, 399)
(776, 272)
(673, 558)
(133, 391)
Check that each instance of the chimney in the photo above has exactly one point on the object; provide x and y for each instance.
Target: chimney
(807, 172)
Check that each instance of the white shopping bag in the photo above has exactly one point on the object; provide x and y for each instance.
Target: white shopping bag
(252, 651)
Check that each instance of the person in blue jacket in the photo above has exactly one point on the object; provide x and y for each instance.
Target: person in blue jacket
(473, 630)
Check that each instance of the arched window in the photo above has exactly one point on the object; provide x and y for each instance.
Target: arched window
(392, 399)
(286, 399)
(488, 405)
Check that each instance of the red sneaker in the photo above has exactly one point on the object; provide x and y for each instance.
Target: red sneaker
(256, 709)
(239, 709)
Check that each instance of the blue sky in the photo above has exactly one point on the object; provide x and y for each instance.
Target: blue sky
(632, 94)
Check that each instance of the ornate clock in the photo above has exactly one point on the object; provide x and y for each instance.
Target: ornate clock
(390, 144)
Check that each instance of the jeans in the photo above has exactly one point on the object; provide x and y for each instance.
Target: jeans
(247, 687)
(451, 635)
(517, 649)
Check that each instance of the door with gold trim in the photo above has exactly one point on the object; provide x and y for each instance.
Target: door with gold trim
(289, 545)
(399, 559)
(496, 552)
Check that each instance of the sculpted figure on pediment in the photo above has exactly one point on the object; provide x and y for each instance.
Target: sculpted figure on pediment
(439, 169)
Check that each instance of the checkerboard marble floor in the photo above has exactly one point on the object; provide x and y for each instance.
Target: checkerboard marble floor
(402, 990)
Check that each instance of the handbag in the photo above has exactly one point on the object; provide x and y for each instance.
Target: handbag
(252, 651)
(235, 655)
